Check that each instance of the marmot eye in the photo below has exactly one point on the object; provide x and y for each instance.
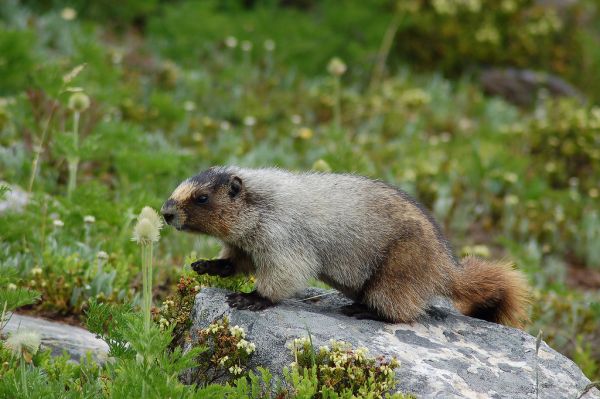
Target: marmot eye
(203, 199)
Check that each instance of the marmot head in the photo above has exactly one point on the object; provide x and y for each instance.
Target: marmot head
(208, 203)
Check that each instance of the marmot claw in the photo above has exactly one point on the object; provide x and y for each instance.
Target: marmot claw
(250, 301)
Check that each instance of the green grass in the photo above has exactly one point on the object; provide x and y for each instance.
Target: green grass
(169, 97)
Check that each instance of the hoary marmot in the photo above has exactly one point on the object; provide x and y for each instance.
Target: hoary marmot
(371, 241)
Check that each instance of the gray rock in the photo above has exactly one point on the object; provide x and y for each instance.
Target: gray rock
(522, 86)
(60, 337)
(444, 355)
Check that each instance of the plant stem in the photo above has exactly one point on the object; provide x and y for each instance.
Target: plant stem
(23, 379)
(40, 148)
(384, 50)
(74, 159)
(144, 284)
(337, 110)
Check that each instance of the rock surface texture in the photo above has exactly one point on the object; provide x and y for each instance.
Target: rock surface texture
(444, 355)
(58, 337)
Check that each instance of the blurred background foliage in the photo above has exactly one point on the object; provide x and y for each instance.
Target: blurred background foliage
(485, 110)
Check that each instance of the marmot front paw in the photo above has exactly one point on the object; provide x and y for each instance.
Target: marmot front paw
(251, 301)
(214, 267)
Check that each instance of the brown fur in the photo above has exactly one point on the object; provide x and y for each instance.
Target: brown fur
(491, 291)
(415, 270)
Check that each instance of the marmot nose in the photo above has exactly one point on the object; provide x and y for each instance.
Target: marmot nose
(169, 216)
(168, 211)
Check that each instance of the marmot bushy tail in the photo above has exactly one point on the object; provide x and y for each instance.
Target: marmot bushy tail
(369, 240)
(492, 291)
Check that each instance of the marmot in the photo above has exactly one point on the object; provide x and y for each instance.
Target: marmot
(369, 240)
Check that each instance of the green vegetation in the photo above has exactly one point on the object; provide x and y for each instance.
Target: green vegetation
(104, 109)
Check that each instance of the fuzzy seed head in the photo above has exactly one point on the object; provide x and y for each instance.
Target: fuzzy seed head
(152, 216)
(145, 232)
(24, 343)
(79, 102)
(336, 67)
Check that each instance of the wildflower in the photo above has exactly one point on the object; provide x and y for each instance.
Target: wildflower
(296, 119)
(593, 193)
(145, 232)
(36, 271)
(249, 121)
(68, 14)
(231, 42)
(246, 45)
(269, 45)
(196, 288)
(189, 106)
(237, 331)
(89, 219)
(223, 360)
(305, 133)
(58, 223)
(163, 323)
(24, 344)
(235, 370)
(102, 255)
(321, 165)
(152, 216)
(79, 102)
(511, 199)
(224, 125)
(336, 67)
(511, 177)
(11, 286)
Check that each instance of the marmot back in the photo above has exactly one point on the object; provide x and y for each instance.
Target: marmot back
(368, 239)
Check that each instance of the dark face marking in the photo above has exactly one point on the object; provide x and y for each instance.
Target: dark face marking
(213, 204)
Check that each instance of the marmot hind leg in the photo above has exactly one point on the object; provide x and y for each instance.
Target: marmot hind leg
(408, 279)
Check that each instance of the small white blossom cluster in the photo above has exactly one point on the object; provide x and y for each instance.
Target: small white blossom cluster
(237, 331)
(235, 370)
(214, 328)
(298, 343)
(249, 347)
(163, 323)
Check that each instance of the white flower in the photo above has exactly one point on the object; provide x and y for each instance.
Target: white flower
(225, 125)
(79, 102)
(249, 121)
(223, 360)
(102, 255)
(89, 219)
(237, 331)
(269, 45)
(145, 232)
(296, 119)
(58, 223)
(235, 370)
(24, 343)
(68, 14)
(152, 216)
(189, 106)
(36, 270)
(11, 287)
(246, 346)
(336, 67)
(163, 323)
(246, 45)
(231, 42)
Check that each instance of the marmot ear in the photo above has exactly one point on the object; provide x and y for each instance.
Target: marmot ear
(235, 186)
